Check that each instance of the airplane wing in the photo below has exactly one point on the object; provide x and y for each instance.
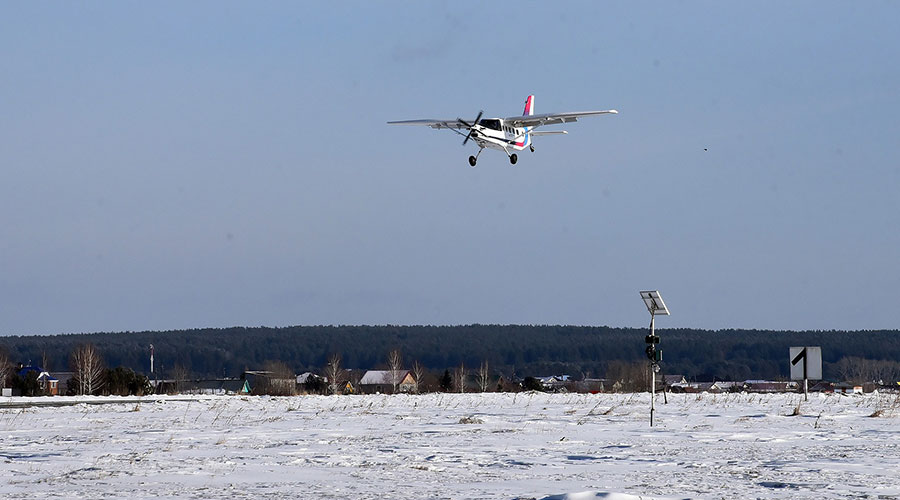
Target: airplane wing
(552, 118)
(438, 124)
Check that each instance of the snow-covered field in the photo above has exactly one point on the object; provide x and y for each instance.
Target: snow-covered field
(455, 446)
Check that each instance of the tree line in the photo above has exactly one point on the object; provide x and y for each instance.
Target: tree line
(514, 351)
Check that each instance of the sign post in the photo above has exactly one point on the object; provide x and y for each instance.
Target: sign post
(806, 364)
(655, 305)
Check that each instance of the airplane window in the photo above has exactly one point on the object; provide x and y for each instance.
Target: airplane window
(492, 124)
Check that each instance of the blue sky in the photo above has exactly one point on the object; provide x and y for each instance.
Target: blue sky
(216, 164)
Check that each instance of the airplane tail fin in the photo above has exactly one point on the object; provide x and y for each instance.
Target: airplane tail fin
(529, 110)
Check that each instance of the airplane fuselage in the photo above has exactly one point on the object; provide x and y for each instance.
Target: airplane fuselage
(495, 134)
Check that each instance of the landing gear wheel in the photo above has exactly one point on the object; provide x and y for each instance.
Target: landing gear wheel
(532, 148)
(472, 161)
(513, 158)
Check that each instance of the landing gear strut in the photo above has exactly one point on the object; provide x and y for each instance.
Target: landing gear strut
(532, 148)
(513, 158)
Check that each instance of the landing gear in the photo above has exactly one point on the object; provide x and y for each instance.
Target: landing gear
(532, 148)
(474, 159)
(513, 158)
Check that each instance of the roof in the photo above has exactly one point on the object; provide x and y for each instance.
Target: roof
(374, 377)
(305, 377)
(40, 371)
(728, 384)
(25, 369)
(228, 385)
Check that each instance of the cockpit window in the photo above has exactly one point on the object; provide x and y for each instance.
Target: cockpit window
(492, 124)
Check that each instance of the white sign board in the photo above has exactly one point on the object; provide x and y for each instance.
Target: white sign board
(806, 361)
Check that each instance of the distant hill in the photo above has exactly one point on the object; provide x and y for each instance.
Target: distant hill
(509, 349)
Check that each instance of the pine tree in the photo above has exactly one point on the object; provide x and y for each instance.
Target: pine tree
(446, 381)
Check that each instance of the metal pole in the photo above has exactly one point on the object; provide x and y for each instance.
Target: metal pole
(152, 375)
(652, 376)
(805, 384)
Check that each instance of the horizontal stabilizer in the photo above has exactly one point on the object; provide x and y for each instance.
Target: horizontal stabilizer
(550, 132)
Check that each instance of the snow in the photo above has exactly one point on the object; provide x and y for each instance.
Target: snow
(507, 446)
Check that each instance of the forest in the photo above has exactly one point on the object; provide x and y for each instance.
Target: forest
(514, 351)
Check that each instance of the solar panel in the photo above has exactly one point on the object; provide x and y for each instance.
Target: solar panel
(654, 303)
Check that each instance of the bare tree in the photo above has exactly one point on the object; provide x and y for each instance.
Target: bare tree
(5, 368)
(335, 373)
(395, 367)
(180, 374)
(886, 371)
(45, 365)
(484, 376)
(418, 373)
(860, 370)
(629, 377)
(87, 368)
(459, 378)
(845, 368)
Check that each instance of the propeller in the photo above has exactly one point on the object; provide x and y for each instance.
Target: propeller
(470, 127)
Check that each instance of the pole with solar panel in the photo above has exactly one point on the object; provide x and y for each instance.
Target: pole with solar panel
(655, 306)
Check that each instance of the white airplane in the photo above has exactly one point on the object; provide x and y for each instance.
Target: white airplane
(506, 134)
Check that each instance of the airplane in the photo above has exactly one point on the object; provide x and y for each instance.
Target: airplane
(514, 133)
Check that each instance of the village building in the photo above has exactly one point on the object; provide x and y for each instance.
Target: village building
(769, 386)
(48, 384)
(219, 387)
(848, 388)
(728, 386)
(267, 382)
(382, 381)
(671, 380)
(592, 385)
(555, 383)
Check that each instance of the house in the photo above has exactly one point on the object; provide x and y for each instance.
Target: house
(593, 385)
(382, 381)
(309, 382)
(705, 386)
(770, 386)
(347, 383)
(822, 386)
(727, 386)
(303, 378)
(847, 388)
(555, 382)
(49, 384)
(225, 386)
(671, 380)
(713, 387)
(267, 382)
(64, 379)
